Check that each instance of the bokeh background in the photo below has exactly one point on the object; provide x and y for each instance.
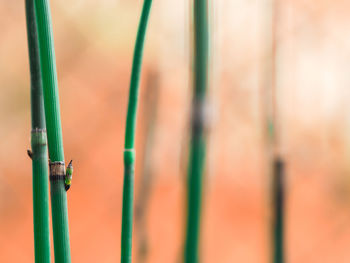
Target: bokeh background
(94, 42)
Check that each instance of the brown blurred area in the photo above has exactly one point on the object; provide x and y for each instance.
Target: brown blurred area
(94, 42)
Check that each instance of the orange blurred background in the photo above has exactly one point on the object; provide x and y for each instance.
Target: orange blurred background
(94, 43)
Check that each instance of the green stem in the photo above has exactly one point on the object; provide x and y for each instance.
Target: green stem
(54, 130)
(39, 145)
(197, 147)
(278, 211)
(273, 121)
(129, 152)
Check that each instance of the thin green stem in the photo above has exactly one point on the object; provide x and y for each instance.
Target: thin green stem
(37, 102)
(135, 76)
(198, 145)
(278, 211)
(129, 152)
(39, 145)
(54, 132)
(273, 144)
(49, 76)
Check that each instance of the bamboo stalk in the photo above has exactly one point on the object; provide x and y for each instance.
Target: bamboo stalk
(198, 145)
(129, 151)
(54, 132)
(38, 153)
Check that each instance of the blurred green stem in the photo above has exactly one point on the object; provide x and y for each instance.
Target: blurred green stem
(54, 132)
(129, 151)
(146, 177)
(39, 144)
(197, 147)
(272, 130)
(278, 211)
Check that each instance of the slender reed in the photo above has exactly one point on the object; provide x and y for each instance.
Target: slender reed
(38, 153)
(54, 132)
(129, 151)
(198, 145)
(272, 123)
(278, 182)
(278, 213)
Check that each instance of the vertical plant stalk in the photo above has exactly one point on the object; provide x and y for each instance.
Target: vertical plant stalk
(197, 147)
(273, 148)
(54, 132)
(150, 113)
(38, 153)
(129, 151)
(278, 200)
(278, 181)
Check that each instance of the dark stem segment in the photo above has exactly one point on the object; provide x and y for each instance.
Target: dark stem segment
(195, 178)
(54, 130)
(198, 138)
(274, 130)
(128, 198)
(129, 152)
(39, 144)
(58, 200)
(278, 212)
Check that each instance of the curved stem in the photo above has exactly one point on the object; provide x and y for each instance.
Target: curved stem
(129, 153)
(135, 76)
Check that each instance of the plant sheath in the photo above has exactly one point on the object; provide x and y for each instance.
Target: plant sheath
(39, 144)
(198, 145)
(54, 132)
(129, 151)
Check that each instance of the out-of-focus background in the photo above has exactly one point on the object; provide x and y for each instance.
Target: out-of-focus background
(94, 42)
